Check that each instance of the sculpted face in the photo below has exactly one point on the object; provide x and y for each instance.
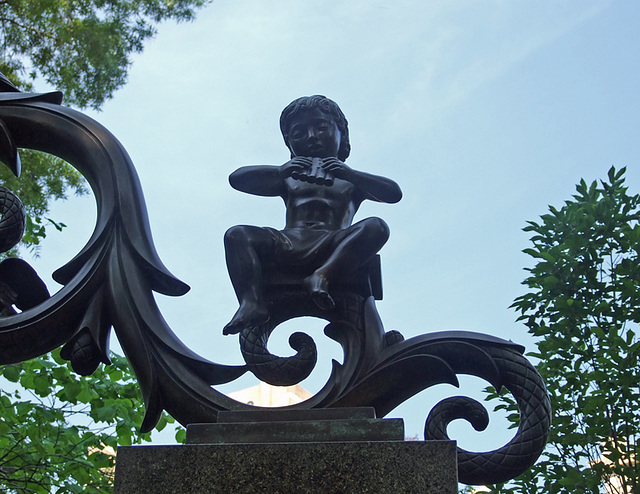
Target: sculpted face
(314, 134)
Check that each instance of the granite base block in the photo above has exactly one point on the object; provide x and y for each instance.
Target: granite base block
(426, 467)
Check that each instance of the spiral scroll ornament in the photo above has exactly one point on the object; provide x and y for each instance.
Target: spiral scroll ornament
(524, 383)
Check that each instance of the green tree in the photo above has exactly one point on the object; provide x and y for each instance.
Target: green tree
(583, 306)
(54, 425)
(59, 431)
(82, 48)
(44, 179)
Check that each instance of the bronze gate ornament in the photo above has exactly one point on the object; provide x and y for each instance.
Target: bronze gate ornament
(320, 265)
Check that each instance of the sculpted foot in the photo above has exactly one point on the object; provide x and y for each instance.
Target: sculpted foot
(247, 315)
(318, 287)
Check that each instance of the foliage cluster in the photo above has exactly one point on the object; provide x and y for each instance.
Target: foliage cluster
(55, 427)
(82, 48)
(44, 179)
(583, 306)
(59, 431)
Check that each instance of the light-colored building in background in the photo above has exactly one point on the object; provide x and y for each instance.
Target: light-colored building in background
(615, 483)
(265, 395)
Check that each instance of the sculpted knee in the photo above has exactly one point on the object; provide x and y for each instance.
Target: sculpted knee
(379, 229)
(235, 235)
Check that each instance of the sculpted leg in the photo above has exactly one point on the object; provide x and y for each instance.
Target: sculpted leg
(359, 244)
(243, 245)
(318, 286)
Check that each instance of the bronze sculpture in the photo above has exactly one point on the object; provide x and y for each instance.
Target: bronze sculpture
(322, 195)
(110, 283)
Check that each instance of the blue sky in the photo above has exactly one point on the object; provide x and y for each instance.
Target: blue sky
(484, 112)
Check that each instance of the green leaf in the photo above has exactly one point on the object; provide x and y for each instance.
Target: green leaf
(12, 373)
(181, 436)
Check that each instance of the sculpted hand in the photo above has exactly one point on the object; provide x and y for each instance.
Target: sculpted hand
(336, 168)
(295, 167)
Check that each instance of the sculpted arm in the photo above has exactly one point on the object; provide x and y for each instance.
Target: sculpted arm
(260, 180)
(266, 180)
(372, 187)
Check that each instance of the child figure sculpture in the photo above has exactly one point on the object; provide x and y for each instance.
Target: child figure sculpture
(321, 194)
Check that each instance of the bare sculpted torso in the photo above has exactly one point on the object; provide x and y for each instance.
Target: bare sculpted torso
(321, 207)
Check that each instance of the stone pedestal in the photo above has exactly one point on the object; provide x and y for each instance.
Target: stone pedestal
(426, 467)
(343, 450)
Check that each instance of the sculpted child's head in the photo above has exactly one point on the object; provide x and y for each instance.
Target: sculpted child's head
(326, 106)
